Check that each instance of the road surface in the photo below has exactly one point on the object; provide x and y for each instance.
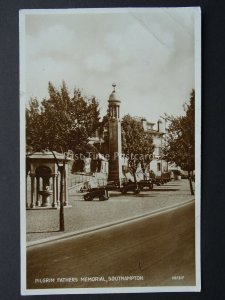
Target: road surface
(153, 251)
(83, 215)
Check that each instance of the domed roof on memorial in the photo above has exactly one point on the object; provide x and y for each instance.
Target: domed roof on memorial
(113, 97)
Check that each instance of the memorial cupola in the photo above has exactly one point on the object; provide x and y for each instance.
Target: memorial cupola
(114, 104)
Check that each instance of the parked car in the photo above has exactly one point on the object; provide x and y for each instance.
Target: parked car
(145, 183)
(158, 181)
(130, 187)
(184, 176)
(176, 174)
(112, 186)
(101, 193)
(166, 176)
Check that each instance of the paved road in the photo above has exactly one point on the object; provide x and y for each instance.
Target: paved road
(84, 214)
(154, 248)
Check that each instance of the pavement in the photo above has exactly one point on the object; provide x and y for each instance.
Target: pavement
(87, 216)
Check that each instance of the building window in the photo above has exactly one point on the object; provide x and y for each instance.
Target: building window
(158, 167)
(160, 150)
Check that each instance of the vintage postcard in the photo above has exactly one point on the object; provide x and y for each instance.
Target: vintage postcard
(110, 134)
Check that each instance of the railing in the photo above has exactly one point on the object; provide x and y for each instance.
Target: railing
(79, 180)
(74, 179)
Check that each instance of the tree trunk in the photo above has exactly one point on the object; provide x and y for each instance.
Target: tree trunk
(190, 182)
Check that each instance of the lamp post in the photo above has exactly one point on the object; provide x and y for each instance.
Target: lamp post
(61, 169)
(61, 210)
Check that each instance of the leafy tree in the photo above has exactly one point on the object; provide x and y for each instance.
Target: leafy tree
(33, 124)
(137, 144)
(104, 123)
(180, 146)
(61, 122)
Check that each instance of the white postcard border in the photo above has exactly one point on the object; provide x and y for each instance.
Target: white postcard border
(22, 47)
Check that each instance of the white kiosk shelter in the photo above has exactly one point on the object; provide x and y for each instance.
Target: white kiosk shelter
(47, 170)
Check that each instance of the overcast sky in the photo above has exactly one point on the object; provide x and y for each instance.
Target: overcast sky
(149, 54)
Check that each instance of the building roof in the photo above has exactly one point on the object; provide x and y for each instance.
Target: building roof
(150, 123)
(156, 132)
(46, 154)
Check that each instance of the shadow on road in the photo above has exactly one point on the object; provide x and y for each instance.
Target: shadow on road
(119, 195)
(144, 195)
(172, 185)
(165, 190)
(131, 195)
(47, 231)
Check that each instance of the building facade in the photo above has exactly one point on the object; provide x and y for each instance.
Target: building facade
(157, 165)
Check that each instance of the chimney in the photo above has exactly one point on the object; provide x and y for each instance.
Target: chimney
(144, 124)
(160, 126)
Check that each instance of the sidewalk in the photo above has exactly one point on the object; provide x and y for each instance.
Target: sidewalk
(86, 216)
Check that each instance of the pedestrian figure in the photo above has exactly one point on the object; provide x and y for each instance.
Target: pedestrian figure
(143, 171)
(145, 175)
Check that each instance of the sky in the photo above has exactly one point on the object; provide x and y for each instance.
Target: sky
(148, 53)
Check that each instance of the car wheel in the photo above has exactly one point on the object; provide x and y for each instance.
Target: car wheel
(102, 198)
(150, 186)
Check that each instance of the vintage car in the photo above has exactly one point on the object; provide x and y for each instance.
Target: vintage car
(145, 183)
(158, 181)
(130, 187)
(112, 186)
(166, 177)
(101, 193)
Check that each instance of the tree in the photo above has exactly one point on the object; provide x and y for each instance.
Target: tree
(136, 144)
(61, 122)
(33, 124)
(180, 144)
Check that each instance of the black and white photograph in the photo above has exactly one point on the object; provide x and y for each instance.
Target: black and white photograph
(110, 150)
